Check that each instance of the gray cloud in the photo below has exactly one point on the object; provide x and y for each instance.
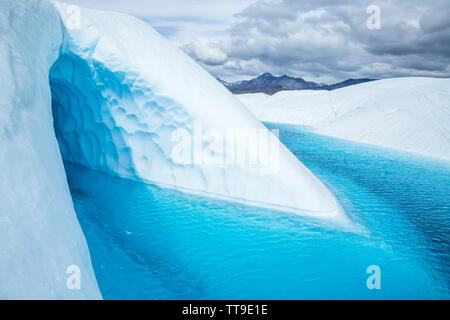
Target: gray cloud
(328, 40)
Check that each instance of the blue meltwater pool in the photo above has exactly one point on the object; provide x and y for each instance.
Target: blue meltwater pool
(152, 243)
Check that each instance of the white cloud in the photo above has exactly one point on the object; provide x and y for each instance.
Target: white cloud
(179, 20)
(206, 51)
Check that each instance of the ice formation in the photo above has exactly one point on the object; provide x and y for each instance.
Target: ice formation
(120, 91)
(113, 92)
(40, 236)
(410, 114)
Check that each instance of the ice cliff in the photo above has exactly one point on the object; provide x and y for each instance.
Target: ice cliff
(410, 114)
(40, 236)
(113, 93)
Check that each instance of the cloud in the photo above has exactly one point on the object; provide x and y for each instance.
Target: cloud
(321, 40)
(180, 21)
(206, 52)
(329, 40)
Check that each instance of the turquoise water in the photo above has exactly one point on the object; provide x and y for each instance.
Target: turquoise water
(152, 243)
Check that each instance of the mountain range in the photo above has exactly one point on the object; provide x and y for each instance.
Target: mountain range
(270, 84)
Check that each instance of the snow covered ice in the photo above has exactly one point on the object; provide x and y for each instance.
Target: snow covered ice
(409, 114)
(40, 236)
(118, 91)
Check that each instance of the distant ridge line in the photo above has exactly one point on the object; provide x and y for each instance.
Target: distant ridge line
(270, 84)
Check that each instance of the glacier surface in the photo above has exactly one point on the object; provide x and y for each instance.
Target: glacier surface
(40, 236)
(121, 91)
(109, 93)
(410, 114)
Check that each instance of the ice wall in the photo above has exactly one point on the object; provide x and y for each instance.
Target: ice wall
(120, 91)
(39, 233)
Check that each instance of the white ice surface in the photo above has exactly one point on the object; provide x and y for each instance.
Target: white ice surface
(409, 114)
(40, 236)
(120, 90)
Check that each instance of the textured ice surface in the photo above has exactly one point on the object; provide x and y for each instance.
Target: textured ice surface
(117, 90)
(40, 236)
(120, 91)
(411, 114)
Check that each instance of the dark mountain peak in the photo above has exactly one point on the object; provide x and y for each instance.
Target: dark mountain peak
(270, 84)
(348, 82)
(267, 75)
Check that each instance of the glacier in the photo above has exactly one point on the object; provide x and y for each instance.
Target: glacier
(108, 94)
(409, 114)
(40, 236)
(119, 94)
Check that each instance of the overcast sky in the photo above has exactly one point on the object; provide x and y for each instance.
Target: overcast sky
(318, 40)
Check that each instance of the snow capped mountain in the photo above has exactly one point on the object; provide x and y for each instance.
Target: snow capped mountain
(269, 84)
(410, 114)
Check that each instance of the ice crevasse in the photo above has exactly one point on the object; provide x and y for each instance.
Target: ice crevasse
(108, 92)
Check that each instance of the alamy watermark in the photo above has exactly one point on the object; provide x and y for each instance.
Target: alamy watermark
(374, 20)
(73, 19)
(73, 281)
(254, 148)
(374, 280)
